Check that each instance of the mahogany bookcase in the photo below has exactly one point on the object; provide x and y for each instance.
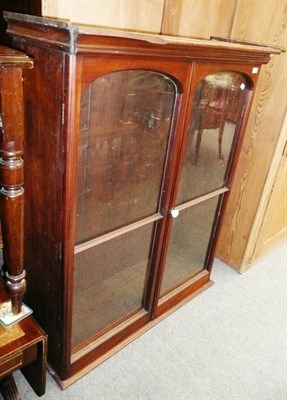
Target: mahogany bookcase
(131, 145)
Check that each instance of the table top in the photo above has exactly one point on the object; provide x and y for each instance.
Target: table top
(14, 58)
(19, 336)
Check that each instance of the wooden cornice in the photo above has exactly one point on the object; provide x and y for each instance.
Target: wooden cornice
(75, 39)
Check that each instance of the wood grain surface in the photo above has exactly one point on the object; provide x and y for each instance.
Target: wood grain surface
(198, 18)
(144, 15)
(271, 227)
(265, 22)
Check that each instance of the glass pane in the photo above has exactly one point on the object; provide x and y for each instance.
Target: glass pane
(110, 281)
(124, 130)
(217, 109)
(188, 244)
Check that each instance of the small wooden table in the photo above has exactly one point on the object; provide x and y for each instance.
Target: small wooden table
(22, 346)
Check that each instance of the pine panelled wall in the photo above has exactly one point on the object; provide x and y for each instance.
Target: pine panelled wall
(144, 15)
(236, 246)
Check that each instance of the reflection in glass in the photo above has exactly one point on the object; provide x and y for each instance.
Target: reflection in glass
(217, 108)
(124, 130)
(188, 244)
(110, 280)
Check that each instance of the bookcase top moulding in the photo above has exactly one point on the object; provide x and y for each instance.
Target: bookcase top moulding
(76, 38)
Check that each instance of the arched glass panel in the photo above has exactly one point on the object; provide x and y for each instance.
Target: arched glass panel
(217, 108)
(124, 129)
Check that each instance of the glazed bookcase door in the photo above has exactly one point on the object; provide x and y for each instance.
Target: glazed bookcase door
(125, 129)
(213, 128)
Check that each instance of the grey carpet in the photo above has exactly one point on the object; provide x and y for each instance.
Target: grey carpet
(228, 343)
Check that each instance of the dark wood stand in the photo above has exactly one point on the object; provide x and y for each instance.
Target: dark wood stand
(24, 347)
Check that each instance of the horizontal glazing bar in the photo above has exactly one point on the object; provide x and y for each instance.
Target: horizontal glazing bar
(104, 238)
(201, 198)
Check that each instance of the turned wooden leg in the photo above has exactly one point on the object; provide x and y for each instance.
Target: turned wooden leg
(11, 183)
(9, 389)
(197, 145)
(220, 136)
(12, 214)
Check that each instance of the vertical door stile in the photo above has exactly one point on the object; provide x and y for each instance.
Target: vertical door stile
(72, 66)
(172, 179)
(168, 176)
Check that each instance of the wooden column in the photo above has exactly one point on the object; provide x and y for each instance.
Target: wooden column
(12, 171)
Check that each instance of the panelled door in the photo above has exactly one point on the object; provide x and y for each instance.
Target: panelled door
(124, 167)
(211, 133)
